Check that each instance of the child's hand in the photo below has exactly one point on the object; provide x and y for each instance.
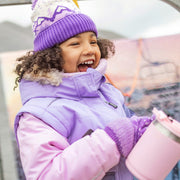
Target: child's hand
(140, 125)
(122, 132)
(127, 131)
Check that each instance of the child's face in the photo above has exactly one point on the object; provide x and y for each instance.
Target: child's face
(80, 52)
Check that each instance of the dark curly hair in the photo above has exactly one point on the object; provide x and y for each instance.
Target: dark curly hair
(51, 58)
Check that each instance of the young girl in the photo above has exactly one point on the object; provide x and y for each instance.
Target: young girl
(73, 125)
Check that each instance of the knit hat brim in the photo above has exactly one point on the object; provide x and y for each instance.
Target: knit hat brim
(62, 30)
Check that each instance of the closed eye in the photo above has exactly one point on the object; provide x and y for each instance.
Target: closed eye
(93, 42)
(74, 44)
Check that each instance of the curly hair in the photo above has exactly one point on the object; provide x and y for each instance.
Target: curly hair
(51, 58)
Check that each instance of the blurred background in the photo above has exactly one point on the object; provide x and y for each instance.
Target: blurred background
(145, 68)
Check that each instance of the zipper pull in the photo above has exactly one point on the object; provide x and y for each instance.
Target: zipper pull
(111, 104)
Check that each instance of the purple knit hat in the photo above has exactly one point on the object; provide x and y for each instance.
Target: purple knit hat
(55, 21)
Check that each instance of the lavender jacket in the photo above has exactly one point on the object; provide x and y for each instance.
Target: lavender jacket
(50, 126)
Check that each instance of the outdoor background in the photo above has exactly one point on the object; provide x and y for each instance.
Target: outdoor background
(145, 68)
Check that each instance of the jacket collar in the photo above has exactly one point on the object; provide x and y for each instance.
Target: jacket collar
(54, 77)
(73, 85)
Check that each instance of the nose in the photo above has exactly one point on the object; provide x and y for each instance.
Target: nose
(88, 49)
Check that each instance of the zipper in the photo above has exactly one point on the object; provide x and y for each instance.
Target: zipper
(111, 104)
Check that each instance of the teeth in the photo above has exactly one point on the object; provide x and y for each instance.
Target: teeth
(87, 62)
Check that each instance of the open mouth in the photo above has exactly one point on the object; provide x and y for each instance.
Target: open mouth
(85, 65)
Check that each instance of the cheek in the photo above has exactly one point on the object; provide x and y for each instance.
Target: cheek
(98, 54)
(67, 58)
(70, 64)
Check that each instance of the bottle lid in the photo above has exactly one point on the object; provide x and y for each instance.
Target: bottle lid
(169, 123)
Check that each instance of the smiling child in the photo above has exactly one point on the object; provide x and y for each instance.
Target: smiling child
(72, 125)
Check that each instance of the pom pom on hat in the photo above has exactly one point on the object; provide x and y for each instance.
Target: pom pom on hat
(55, 21)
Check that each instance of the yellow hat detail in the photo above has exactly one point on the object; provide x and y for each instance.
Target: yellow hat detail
(75, 1)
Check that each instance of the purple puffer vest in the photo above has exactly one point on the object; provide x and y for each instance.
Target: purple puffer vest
(79, 103)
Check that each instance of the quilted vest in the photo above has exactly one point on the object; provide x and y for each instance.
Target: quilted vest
(79, 103)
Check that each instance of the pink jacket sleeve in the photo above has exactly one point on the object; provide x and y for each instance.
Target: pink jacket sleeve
(45, 154)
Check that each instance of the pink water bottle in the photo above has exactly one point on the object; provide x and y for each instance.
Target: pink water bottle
(157, 151)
